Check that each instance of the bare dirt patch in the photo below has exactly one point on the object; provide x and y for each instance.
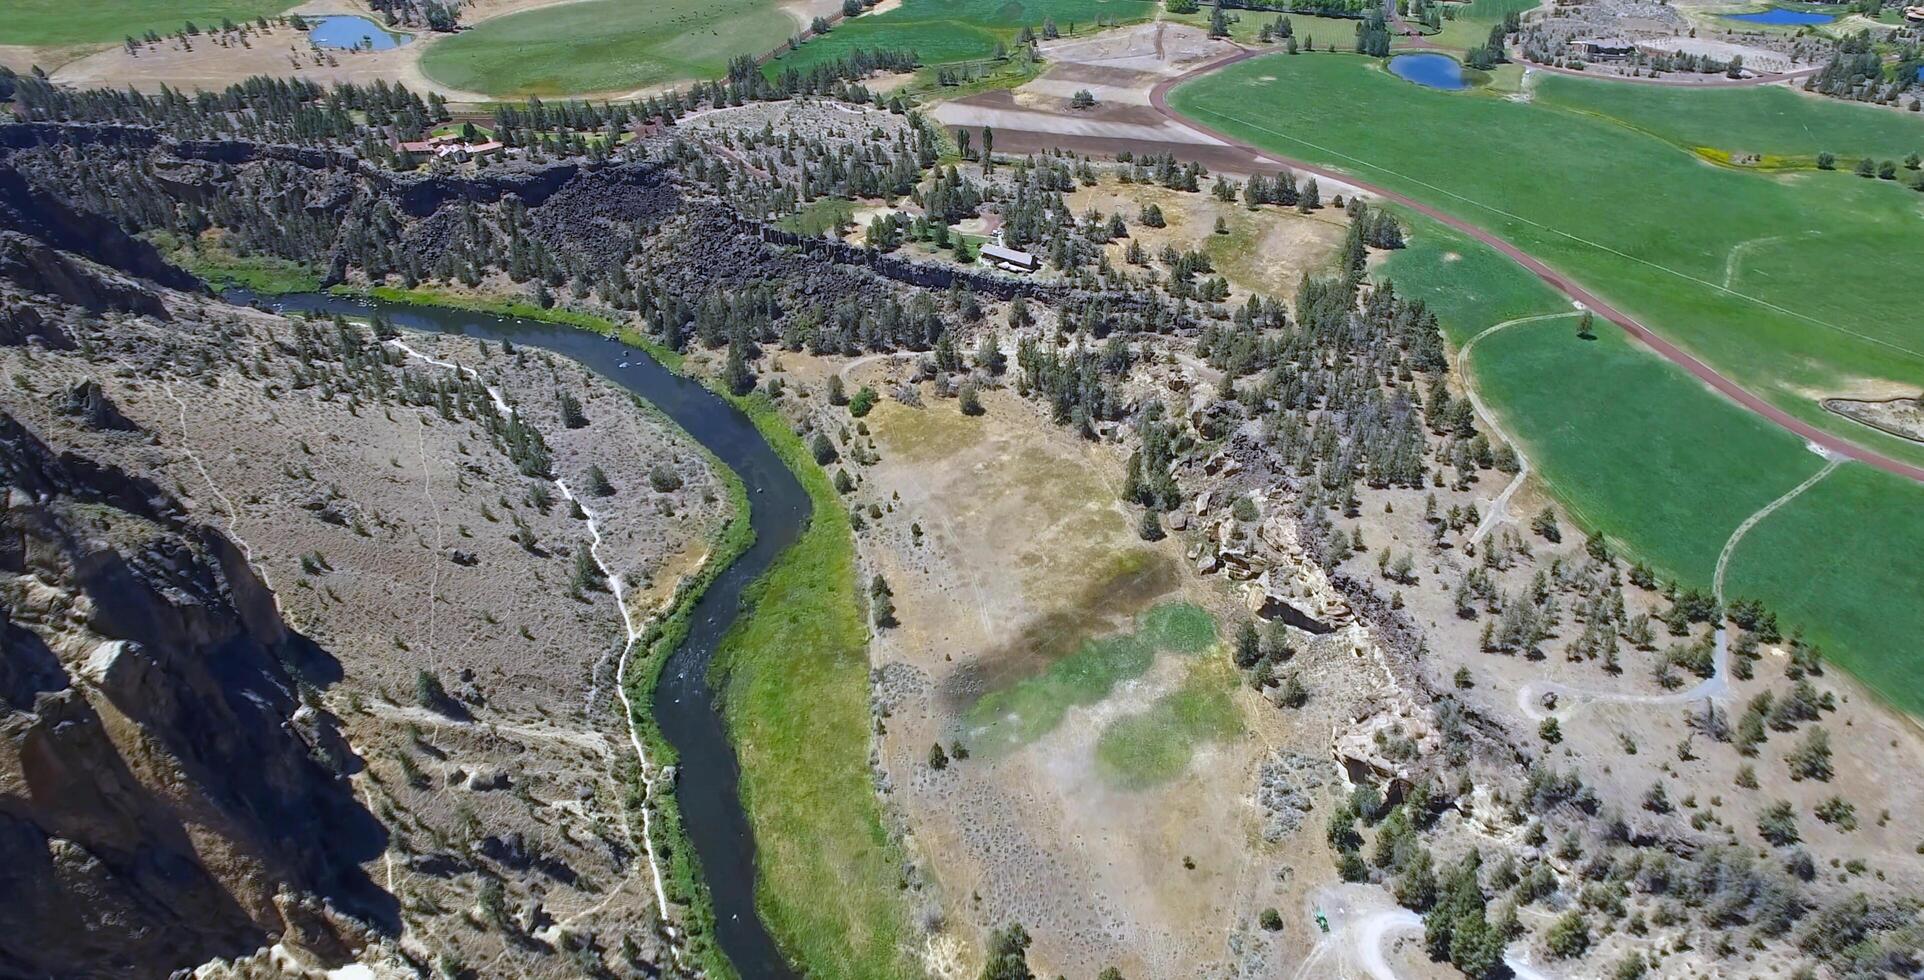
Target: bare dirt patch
(1266, 250)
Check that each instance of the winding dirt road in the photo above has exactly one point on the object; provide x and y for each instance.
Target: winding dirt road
(1159, 100)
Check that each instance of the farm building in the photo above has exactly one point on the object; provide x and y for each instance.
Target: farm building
(1603, 48)
(1009, 259)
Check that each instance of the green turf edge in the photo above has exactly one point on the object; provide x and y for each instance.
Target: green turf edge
(831, 894)
(1820, 560)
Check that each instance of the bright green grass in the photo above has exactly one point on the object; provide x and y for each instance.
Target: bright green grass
(1155, 746)
(1031, 708)
(1668, 469)
(949, 31)
(1822, 293)
(819, 216)
(111, 21)
(795, 697)
(1246, 25)
(1473, 22)
(1771, 119)
(1846, 560)
(605, 46)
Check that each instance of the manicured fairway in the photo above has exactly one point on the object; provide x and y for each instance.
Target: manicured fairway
(111, 21)
(1637, 448)
(1770, 120)
(948, 31)
(1792, 284)
(605, 46)
(1846, 560)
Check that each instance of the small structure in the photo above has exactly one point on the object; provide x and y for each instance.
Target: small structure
(1603, 48)
(449, 148)
(1915, 14)
(1008, 259)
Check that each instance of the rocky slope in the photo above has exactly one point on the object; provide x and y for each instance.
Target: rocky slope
(165, 794)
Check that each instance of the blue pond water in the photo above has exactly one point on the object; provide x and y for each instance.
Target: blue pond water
(1429, 70)
(1782, 17)
(350, 32)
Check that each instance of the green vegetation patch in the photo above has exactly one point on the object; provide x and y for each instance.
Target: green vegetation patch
(1792, 284)
(1667, 468)
(794, 674)
(1844, 561)
(221, 269)
(820, 216)
(949, 31)
(1032, 707)
(605, 46)
(1155, 746)
(1769, 120)
(37, 22)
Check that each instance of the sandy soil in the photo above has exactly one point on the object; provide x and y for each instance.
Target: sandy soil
(1267, 250)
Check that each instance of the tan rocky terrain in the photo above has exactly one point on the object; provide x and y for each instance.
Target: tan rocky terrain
(404, 571)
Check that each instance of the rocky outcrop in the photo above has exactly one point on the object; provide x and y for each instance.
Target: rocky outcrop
(33, 214)
(165, 797)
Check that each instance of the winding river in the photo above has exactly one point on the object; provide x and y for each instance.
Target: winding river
(707, 775)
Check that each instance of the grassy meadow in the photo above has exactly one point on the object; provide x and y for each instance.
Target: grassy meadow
(1796, 284)
(1014, 716)
(1667, 468)
(605, 46)
(950, 31)
(47, 22)
(794, 683)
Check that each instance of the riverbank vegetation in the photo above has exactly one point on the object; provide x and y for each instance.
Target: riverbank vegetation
(794, 677)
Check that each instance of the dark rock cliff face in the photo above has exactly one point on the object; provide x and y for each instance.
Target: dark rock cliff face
(35, 214)
(165, 797)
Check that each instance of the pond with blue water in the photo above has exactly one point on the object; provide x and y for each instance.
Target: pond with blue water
(351, 32)
(1781, 17)
(1430, 70)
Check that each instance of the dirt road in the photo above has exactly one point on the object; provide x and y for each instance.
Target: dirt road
(1158, 99)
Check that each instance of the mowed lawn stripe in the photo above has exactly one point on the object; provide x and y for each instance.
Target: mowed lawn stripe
(37, 22)
(948, 31)
(605, 46)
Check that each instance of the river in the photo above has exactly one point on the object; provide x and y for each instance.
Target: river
(707, 772)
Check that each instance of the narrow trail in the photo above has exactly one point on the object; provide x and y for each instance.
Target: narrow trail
(1500, 505)
(233, 513)
(1730, 547)
(434, 509)
(633, 629)
(1362, 919)
(1159, 99)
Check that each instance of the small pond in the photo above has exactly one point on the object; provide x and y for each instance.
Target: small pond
(1430, 70)
(1783, 18)
(351, 32)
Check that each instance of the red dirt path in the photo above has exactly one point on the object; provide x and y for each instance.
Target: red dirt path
(1158, 97)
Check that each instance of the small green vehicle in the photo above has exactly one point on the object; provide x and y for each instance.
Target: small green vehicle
(1322, 921)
